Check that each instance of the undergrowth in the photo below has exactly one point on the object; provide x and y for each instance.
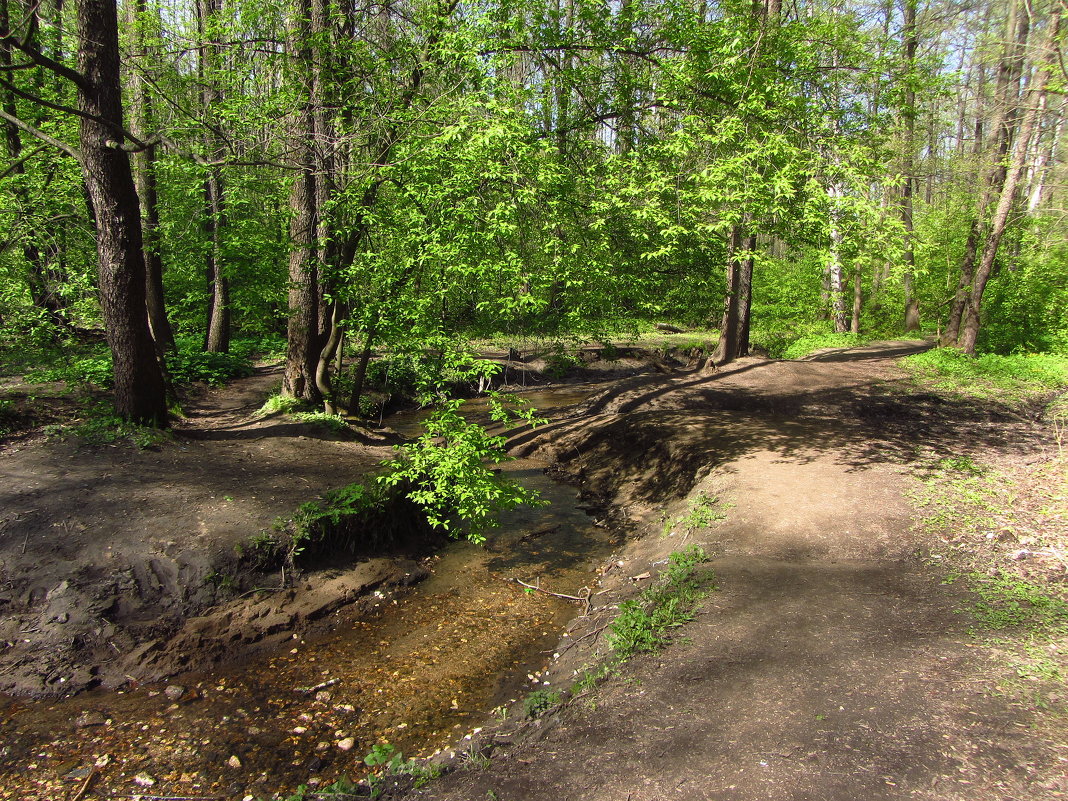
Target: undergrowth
(1002, 530)
(1013, 378)
(644, 623)
(97, 424)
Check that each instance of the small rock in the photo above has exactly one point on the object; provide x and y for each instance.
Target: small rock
(322, 745)
(347, 744)
(323, 696)
(233, 762)
(90, 718)
(174, 691)
(254, 730)
(142, 779)
(299, 729)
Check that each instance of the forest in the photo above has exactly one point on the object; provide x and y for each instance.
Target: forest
(668, 395)
(411, 177)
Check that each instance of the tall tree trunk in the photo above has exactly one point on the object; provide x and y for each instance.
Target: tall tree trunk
(912, 306)
(999, 221)
(303, 340)
(217, 324)
(144, 166)
(727, 348)
(1006, 102)
(835, 283)
(139, 390)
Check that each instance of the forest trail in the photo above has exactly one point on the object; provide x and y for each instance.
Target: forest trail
(831, 664)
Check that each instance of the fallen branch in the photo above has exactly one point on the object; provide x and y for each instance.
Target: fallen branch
(320, 686)
(585, 599)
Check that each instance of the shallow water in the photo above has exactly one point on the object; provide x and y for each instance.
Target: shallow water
(418, 672)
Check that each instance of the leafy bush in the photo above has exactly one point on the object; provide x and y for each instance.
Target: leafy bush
(99, 425)
(280, 404)
(805, 345)
(539, 702)
(95, 370)
(643, 622)
(446, 473)
(189, 366)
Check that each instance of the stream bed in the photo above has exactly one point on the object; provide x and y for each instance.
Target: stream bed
(419, 670)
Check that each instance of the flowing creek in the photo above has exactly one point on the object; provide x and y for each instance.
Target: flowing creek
(418, 671)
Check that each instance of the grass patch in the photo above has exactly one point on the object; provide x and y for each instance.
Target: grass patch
(539, 702)
(97, 424)
(1001, 530)
(644, 623)
(1014, 378)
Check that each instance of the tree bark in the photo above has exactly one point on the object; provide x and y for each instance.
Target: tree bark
(999, 221)
(1010, 70)
(912, 306)
(144, 166)
(217, 328)
(139, 389)
(304, 342)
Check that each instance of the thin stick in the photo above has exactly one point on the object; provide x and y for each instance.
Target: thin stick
(577, 640)
(320, 686)
(585, 599)
(78, 796)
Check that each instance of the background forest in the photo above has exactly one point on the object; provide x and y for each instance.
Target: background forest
(341, 178)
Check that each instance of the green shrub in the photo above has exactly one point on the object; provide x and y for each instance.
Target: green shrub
(643, 622)
(190, 366)
(446, 471)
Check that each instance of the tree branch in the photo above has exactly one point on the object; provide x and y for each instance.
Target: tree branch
(13, 167)
(41, 60)
(38, 134)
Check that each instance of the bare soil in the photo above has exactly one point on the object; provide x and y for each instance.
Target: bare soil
(107, 551)
(833, 661)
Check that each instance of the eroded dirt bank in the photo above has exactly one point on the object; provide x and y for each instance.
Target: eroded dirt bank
(831, 662)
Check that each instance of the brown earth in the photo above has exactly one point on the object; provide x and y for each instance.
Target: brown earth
(832, 662)
(106, 550)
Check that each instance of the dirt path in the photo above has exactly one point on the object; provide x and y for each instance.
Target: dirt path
(831, 664)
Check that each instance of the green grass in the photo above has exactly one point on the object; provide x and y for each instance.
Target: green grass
(97, 424)
(1012, 378)
(644, 623)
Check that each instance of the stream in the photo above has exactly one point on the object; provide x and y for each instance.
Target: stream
(419, 671)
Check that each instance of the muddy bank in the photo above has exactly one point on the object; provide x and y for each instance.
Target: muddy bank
(415, 665)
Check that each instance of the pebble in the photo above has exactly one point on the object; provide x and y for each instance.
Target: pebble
(142, 779)
(299, 729)
(323, 696)
(90, 718)
(174, 691)
(347, 744)
(233, 762)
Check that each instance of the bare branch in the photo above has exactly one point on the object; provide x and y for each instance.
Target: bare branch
(13, 167)
(41, 60)
(39, 134)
